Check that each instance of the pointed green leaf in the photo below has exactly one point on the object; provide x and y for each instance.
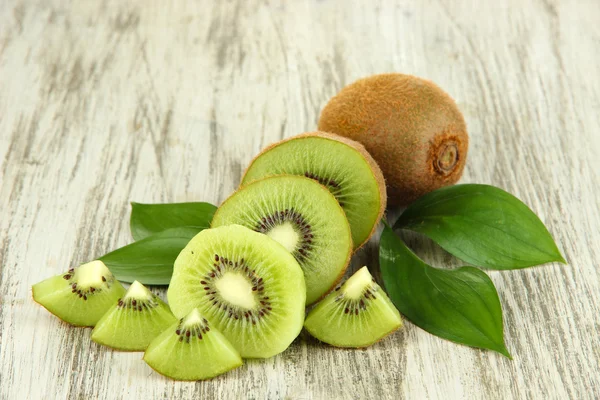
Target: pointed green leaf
(460, 305)
(147, 219)
(150, 260)
(482, 225)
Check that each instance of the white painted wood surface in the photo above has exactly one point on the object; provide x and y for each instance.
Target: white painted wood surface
(102, 103)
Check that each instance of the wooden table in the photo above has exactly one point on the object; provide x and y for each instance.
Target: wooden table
(102, 103)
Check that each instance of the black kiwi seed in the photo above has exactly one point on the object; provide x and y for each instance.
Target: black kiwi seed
(355, 306)
(302, 227)
(137, 305)
(223, 265)
(330, 183)
(80, 293)
(192, 332)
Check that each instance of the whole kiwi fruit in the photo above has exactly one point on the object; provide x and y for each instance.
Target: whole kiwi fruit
(410, 126)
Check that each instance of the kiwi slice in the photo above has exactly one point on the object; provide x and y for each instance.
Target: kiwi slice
(340, 164)
(356, 314)
(304, 217)
(134, 320)
(246, 284)
(411, 127)
(81, 295)
(191, 350)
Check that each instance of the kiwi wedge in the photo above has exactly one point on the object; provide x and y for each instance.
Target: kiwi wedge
(134, 320)
(356, 314)
(341, 165)
(246, 284)
(81, 295)
(191, 350)
(304, 217)
(411, 127)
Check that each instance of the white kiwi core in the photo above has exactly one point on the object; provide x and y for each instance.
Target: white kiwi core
(355, 286)
(236, 289)
(137, 291)
(90, 274)
(286, 235)
(192, 318)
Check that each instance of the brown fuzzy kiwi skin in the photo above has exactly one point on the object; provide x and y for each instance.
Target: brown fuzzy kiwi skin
(377, 174)
(348, 256)
(409, 125)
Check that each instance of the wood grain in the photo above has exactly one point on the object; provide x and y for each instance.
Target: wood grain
(102, 103)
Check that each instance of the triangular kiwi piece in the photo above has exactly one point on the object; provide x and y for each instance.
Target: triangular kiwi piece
(134, 321)
(81, 295)
(192, 350)
(356, 314)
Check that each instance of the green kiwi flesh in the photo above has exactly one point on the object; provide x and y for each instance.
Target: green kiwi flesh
(134, 321)
(246, 284)
(357, 314)
(191, 349)
(81, 295)
(340, 164)
(304, 217)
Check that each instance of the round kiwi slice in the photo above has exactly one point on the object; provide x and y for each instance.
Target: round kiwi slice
(81, 295)
(410, 126)
(191, 350)
(134, 320)
(356, 314)
(246, 284)
(301, 215)
(340, 164)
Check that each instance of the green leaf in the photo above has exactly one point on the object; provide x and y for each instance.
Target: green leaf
(482, 225)
(151, 259)
(460, 305)
(147, 219)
